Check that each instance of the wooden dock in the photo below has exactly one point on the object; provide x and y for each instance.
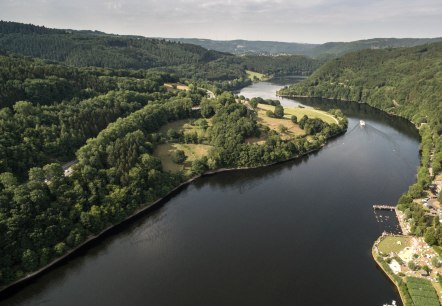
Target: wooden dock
(384, 207)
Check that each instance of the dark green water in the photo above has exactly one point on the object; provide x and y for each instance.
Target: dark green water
(299, 233)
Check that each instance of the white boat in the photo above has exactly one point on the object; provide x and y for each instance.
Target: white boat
(361, 122)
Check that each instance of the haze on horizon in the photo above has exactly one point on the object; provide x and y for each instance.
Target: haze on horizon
(314, 21)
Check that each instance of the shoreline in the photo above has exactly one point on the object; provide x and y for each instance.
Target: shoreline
(351, 101)
(15, 286)
(374, 255)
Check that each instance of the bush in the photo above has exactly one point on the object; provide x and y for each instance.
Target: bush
(294, 119)
(412, 266)
(178, 157)
(279, 111)
(282, 128)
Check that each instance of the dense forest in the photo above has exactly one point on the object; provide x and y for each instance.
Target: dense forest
(90, 48)
(109, 121)
(48, 111)
(405, 82)
(97, 49)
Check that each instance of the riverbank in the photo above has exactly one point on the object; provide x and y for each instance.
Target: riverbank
(348, 101)
(406, 260)
(91, 240)
(387, 271)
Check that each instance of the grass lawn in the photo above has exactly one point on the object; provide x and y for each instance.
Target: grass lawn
(300, 112)
(256, 75)
(257, 140)
(170, 86)
(390, 244)
(185, 126)
(192, 151)
(274, 124)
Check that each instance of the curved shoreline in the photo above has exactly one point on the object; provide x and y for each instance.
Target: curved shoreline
(351, 101)
(12, 288)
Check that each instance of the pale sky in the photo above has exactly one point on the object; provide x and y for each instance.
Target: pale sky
(312, 21)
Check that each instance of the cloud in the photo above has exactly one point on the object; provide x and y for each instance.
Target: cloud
(289, 20)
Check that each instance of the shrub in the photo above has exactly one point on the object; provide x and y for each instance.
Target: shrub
(178, 156)
(279, 111)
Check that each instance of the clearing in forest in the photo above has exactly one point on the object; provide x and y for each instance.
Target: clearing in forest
(192, 151)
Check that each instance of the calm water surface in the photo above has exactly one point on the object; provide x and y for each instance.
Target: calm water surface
(299, 233)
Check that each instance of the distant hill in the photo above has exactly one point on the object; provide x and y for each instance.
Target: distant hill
(249, 47)
(339, 48)
(327, 50)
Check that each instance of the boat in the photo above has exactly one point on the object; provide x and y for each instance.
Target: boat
(361, 122)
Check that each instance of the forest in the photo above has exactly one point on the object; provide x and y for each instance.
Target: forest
(98, 49)
(406, 82)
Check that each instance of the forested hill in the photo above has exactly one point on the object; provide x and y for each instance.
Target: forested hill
(326, 50)
(249, 47)
(406, 82)
(334, 49)
(97, 49)
(91, 48)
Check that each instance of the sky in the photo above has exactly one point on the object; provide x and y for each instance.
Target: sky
(309, 21)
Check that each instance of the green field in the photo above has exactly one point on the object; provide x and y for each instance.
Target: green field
(185, 126)
(275, 123)
(390, 244)
(300, 112)
(256, 75)
(422, 292)
(192, 152)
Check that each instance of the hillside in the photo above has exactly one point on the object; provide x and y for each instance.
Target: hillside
(326, 50)
(98, 49)
(249, 47)
(406, 82)
(333, 49)
(89, 48)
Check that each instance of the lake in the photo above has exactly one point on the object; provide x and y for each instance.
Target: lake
(298, 233)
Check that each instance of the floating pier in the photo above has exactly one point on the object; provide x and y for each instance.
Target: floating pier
(384, 207)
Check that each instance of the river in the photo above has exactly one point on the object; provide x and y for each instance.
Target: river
(299, 233)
